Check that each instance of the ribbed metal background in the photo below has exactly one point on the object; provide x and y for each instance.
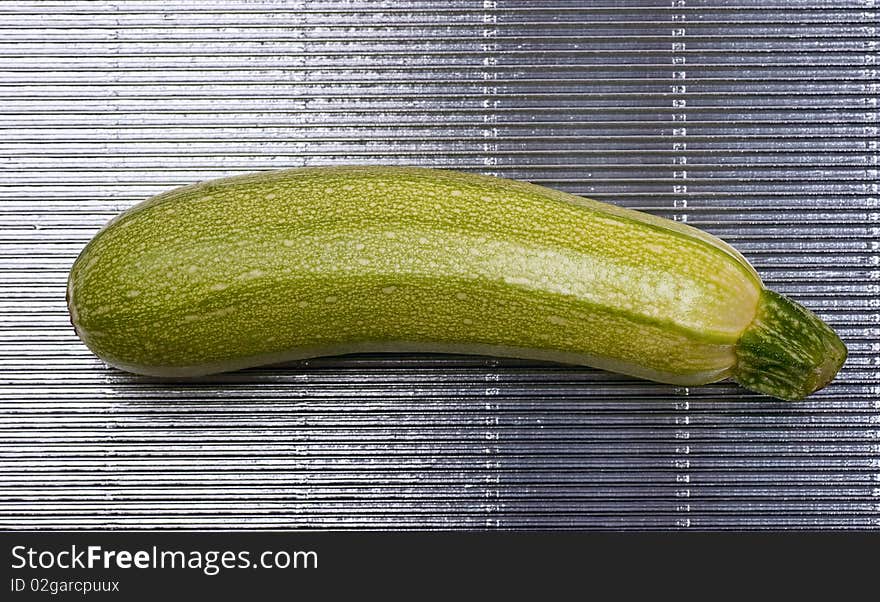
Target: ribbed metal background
(754, 120)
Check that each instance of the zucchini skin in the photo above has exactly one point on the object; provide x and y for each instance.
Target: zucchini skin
(289, 264)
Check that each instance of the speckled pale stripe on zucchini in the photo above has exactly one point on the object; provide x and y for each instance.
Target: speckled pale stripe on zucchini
(282, 265)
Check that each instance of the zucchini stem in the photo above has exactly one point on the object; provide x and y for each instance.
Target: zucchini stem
(787, 351)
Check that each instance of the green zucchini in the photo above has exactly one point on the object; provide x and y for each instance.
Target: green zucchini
(290, 264)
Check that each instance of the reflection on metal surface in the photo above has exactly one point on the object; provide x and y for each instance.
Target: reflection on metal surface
(756, 122)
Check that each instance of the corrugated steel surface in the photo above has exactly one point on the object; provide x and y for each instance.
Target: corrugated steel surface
(754, 120)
